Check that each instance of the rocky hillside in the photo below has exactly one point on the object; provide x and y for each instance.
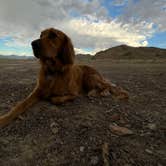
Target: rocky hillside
(83, 56)
(127, 52)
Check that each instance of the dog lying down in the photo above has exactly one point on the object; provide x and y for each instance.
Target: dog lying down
(60, 80)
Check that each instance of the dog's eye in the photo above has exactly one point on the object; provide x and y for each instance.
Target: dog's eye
(52, 35)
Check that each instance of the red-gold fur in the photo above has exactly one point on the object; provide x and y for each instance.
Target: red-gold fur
(60, 80)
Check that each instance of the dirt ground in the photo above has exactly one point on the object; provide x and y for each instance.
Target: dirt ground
(86, 131)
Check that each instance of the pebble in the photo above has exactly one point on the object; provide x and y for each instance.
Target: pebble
(82, 148)
(54, 127)
(118, 130)
(152, 126)
(115, 117)
(94, 160)
(148, 151)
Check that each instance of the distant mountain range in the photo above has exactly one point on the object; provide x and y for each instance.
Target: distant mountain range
(15, 57)
(118, 52)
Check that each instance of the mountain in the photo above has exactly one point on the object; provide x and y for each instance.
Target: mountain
(82, 57)
(15, 57)
(128, 52)
(118, 52)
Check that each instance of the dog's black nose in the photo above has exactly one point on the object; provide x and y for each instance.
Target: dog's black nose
(36, 44)
(36, 47)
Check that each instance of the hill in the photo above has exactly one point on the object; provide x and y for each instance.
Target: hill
(83, 57)
(118, 52)
(128, 52)
(15, 57)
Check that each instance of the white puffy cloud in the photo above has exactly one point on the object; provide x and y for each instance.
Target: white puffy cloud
(111, 31)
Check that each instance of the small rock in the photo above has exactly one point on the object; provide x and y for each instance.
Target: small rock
(115, 117)
(20, 117)
(82, 148)
(100, 103)
(148, 151)
(105, 153)
(41, 118)
(122, 121)
(94, 160)
(54, 127)
(34, 142)
(120, 130)
(152, 126)
(4, 142)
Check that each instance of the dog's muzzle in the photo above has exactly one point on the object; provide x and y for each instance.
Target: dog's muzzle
(36, 46)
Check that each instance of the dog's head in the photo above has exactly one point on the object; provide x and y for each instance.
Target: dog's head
(54, 44)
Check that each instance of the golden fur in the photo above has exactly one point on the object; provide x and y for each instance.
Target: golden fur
(60, 80)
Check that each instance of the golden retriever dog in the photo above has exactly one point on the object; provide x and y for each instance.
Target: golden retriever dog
(60, 80)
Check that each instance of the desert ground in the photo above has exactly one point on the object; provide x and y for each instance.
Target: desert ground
(88, 131)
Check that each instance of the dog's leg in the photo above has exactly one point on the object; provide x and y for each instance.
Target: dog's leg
(118, 92)
(98, 86)
(19, 108)
(103, 87)
(62, 99)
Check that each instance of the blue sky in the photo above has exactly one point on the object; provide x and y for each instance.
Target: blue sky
(115, 9)
(13, 50)
(93, 25)
(158, 39)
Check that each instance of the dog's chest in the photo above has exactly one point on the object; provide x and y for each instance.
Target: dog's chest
(58, 84)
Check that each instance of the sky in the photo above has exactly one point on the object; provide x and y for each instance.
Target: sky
(92, 25)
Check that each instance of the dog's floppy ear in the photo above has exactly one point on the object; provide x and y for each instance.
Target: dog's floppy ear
(67, 54)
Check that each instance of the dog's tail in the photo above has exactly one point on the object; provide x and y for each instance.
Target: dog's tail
(19, 108)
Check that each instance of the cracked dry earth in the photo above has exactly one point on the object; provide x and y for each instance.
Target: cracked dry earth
(87, 131)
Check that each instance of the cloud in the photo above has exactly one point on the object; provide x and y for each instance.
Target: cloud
(143, 10)
(87, 22)
(39, 13)
(102, 34)
(22, 20)
(112, 31)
